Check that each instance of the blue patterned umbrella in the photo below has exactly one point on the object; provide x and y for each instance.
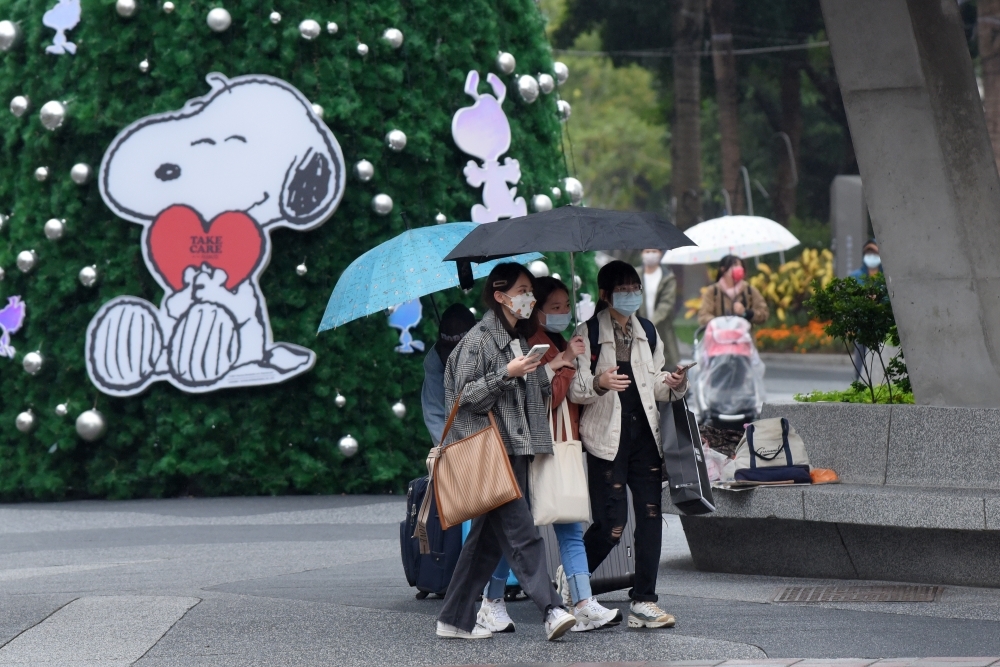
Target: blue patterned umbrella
(406, 267)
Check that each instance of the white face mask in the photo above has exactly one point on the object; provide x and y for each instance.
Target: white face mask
(650, 258)
(872, 261)
(557, 322)
(521, 305)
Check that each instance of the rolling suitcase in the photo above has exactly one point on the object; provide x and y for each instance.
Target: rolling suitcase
(618, 569)
(684, 460)
(429, 573)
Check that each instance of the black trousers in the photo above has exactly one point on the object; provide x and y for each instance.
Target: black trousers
(638, 466)
(509, 530)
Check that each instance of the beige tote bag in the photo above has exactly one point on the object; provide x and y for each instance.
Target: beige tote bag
(558, 485)
(470, 477)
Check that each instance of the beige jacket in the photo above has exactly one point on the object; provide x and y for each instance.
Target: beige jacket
(601, 421)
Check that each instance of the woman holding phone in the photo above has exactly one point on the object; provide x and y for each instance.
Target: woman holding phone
(552, 316)
(488, 371)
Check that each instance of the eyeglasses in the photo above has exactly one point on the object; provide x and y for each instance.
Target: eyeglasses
(628, 289)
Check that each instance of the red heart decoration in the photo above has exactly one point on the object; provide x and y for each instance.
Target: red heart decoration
(180, 238)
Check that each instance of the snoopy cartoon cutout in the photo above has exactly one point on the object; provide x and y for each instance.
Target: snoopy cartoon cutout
(208, 183)
(483, 131)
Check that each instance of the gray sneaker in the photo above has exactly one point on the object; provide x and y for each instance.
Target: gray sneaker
(648, 615)
(562, 587)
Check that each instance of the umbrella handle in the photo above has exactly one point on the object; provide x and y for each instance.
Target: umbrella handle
(572, 286)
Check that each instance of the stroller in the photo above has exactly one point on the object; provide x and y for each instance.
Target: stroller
(728, 384)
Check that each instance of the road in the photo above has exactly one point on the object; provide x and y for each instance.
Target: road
(790, 374)
(318, 581)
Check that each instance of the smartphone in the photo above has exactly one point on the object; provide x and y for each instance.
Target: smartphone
(538, 351)
(691, 365)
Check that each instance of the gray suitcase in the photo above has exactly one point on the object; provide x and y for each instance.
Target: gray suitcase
(618, 569)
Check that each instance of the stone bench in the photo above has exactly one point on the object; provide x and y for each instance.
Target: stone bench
(919, 500)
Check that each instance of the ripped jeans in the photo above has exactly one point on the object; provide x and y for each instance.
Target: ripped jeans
(638, 465)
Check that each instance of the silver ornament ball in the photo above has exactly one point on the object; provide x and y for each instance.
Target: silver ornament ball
(52, 113)
(19, 105)
(144, 65)
(26, 260)
(302, 269)
(88, 276)
(318, 110)
(506, 62)
(41, 174)
(309, 29)
(574, 189)
(25, 421)
(332, 28)
(546, 83)
(541, 203)
(393, 37)
(32, 362)
(561, 72)
(440, 218)
(3, 220)
(126, 8)
(399, 409)
(364, 170)
(396, 140)
(362, 50)
(3, 274)
(538, 268)
(577, 282)
(275, 18)
(382, 204)
(340, 400)
(80, 173)
(54, 229)
(564, 110)
(10, 34)
(62, 410)
(219, 20)
(348, 446)
(527, 88)
(168, 7)
(556, 193)
(91, 425)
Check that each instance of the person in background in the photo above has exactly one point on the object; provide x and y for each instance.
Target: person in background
(455, 323)
(620, 429)
(489, 372)
(552, 314)
(871, 265)
(659, 286)
(732, 295)
(871, 261)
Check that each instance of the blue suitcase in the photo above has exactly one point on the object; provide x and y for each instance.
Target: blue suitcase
(429, 573)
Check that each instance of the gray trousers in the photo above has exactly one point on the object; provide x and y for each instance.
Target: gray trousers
(510, 531)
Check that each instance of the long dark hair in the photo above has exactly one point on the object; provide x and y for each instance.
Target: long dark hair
(502, 278)
(544, 288)
(615, 274)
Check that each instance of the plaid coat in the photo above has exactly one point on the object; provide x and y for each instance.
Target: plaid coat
(476, 368)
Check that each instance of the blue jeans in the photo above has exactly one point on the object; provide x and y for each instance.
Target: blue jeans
(574, 560)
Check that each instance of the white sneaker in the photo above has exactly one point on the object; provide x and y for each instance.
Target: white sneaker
(594, 615)
(562, 587)
(558, 622)
(493, 616)
(451, 632)
(648, 615)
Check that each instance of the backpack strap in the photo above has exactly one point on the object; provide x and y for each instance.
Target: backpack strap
(594, 332)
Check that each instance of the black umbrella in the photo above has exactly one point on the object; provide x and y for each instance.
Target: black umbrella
(565, 229)
(568, 229)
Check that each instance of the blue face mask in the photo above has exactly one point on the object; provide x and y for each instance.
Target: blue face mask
(557, 322)
(626, 303)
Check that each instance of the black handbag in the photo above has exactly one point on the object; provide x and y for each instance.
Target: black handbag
(684, 459)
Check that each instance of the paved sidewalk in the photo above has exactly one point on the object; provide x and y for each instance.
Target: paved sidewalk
(302, 581)
(841, 662)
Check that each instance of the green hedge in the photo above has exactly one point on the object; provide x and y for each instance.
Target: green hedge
(268, 440)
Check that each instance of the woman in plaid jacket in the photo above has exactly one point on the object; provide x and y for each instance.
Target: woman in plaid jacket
(486, 372)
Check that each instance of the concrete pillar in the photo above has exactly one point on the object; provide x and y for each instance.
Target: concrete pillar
(848, 223)
(931, 184)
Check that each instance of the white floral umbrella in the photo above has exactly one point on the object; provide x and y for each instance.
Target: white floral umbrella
(740, 235)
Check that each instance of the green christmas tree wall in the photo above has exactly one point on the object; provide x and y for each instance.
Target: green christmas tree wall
(271, 439)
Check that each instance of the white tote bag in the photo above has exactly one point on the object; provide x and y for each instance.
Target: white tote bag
(558, 485)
